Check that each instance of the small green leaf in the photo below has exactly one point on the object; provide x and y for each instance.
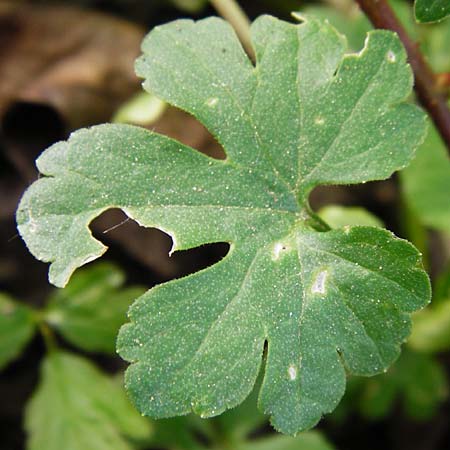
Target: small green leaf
(142, 109)
(76, 407)
(190, 6)
(434, 42)
(426, 183)
(417, 379)
(431, 10)
(441, 288)
(308, 114)
(238, 423)
(89, 311)
(431, 330)
(404, 12)
(353, 24)
(311, 440)
(340, 216)
(17, 327)
(181, 433)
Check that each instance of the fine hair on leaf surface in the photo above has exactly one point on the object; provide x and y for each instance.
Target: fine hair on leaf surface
(324, 302)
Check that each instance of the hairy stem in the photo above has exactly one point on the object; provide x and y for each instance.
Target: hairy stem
(426, 85)
(231, 11)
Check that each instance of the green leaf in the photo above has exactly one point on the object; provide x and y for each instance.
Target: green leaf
(89, 311)
(431, 330)
(405, 14)
(311, 440)
(431, 10)
(190, 6)
(441, 288)
(426, 183)
(181, 433)
(77, 407)
(306, 115)
(417, 379)
(434, 43)
(354, 24)
(238, 423)
(17, 327)
(340, 216)
(142, 109)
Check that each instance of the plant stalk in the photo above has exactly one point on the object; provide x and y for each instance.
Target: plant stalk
(48, 336)
(427, 88)
(231, 11)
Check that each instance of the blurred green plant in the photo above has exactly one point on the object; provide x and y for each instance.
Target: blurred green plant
(90, 310)
(77, 406)
(17, 327)
(340, 216)
(142, 109)
(417, 381)
(426, 183)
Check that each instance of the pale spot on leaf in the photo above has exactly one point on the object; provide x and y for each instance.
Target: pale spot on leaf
(278, 249)
(292, 372)
(319, 120)
(212, 101)
(391, 57)
(318, 286)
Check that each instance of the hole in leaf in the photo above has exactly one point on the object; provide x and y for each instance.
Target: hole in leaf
(148, 249)
(378, 197)
(186, 129)
(326, 195)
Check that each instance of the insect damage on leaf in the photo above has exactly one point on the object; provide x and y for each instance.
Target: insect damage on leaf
(325, 302)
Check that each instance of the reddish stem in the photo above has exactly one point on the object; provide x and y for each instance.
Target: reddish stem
(429, 92)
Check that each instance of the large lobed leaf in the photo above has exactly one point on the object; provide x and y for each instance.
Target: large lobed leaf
(324, 302)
